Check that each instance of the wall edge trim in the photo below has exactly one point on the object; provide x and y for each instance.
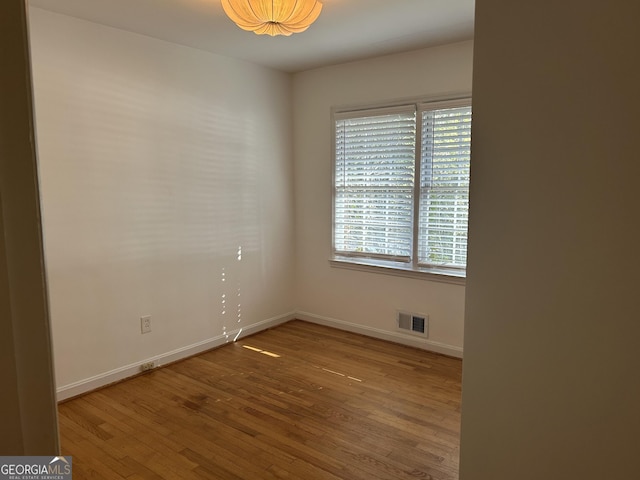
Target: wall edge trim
(395, 337)
(80, 387)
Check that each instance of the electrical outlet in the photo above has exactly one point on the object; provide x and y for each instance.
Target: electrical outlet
(145, 367)
(145, 324)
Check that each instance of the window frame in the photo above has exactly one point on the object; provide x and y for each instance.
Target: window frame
(411, 269)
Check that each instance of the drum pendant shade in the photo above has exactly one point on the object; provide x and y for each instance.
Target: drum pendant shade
(273, 17)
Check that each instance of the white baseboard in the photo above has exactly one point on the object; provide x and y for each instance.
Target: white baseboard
(86, 385)
(103, 379)
(395, 337)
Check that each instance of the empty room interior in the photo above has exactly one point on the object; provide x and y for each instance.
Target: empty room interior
(252, 256)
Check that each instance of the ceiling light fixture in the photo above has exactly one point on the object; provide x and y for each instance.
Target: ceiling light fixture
(273, 17)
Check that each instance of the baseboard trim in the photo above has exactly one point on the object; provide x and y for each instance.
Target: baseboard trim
(398, 337)
(83, 386)
(93, 383)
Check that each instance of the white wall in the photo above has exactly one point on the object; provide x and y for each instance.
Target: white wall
(550, 387)
(158, 162)
(363, 301)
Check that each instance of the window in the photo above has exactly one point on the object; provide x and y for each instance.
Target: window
(401, 186)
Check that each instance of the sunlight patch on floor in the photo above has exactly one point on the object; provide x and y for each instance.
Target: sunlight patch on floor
(259, 350)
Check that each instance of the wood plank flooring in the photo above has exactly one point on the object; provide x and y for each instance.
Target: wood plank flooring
(300, 401)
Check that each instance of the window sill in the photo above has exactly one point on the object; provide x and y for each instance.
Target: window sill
(399, 269)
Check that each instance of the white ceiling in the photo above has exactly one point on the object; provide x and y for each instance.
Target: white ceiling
(346, 30)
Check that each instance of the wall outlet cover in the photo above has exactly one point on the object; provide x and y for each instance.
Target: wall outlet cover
(145, 324)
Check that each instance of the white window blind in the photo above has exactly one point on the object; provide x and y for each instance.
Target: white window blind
(401, 186)
(444, 186)
(374, 183)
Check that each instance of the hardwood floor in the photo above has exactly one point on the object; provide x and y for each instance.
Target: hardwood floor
(300, 401)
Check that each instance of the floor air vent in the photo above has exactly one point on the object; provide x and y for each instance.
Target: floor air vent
(417, 324)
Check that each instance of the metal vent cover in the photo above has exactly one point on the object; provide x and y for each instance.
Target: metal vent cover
(415, 323)
(418, 324)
